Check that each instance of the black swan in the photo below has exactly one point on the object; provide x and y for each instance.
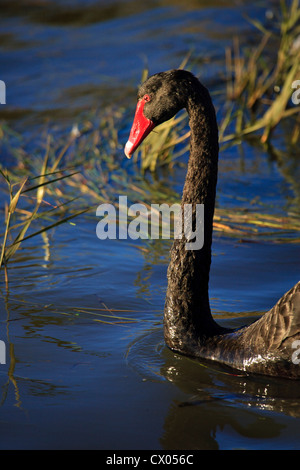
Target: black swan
(267, 346)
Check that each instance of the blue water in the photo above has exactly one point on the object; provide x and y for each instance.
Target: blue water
(81, 318)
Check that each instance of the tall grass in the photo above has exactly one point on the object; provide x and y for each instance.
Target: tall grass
(20, 217)
(259, 79)
(258, 92)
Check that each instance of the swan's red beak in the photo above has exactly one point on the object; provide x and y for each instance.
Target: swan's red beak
(141, 127)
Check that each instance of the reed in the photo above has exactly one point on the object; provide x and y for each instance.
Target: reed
(103, 314)
(257, 100)
(258, 93)
(19, 218)
(259, 79)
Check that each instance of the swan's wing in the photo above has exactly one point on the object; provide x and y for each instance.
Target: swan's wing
(279, 324)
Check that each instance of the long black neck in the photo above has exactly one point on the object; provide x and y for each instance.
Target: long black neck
(187, 316)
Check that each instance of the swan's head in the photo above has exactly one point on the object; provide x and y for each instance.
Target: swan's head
(160, 97)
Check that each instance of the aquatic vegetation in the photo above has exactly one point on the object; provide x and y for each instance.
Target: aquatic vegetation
(88, 161)
(260, 79)
(68, 185)
(259, 89)
(20, 217)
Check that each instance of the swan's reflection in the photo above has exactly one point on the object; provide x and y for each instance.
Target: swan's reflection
(218, 400)
(213, 399)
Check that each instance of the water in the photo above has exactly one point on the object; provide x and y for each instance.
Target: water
(81, 318)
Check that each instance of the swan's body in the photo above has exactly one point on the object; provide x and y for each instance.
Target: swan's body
(268, 345)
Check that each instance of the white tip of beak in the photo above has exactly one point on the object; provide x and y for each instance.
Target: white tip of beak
(128, 148)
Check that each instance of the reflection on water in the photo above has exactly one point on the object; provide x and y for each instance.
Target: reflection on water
(213, 394)
(82, 318)
(88, 54)
(84, 345)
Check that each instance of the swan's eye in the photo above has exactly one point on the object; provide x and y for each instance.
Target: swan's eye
(147, 98)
